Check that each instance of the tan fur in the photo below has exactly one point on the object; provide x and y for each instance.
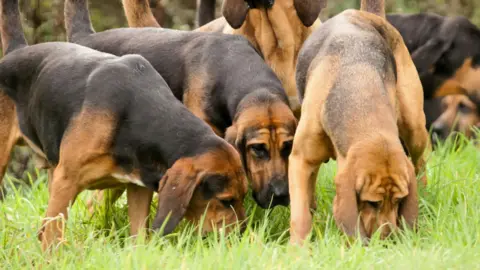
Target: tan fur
(371, 160)
(278, 34)
(449, 87)
(468, 77)
(217, 214)
(139, 14)
(9, 131)
(195, 100)
(267, 127)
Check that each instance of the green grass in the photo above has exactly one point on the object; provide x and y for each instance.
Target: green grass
(447, 238)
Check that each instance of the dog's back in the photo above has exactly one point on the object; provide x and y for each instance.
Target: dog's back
(361, 77)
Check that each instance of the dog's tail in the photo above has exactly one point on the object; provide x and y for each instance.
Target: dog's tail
(77, 20)
(11, 27)
(139, 14)
(376, 7)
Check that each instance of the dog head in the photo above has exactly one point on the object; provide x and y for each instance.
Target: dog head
(378, 186)
(459, 114)
(235, 11)
(212, 183)
(263, 134)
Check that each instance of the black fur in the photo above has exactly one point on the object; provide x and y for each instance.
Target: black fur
(234, 70)
(442, 42)
(153, 129)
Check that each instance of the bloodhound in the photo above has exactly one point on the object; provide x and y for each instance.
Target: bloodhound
(222, 80)
(360, 94)
(277, 29)
(102, 121)
(445, 50)
(451, 113)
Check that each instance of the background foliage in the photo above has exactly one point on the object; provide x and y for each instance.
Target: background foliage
(43, 19)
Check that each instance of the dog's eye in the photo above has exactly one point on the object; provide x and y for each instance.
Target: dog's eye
(463, 108)
(287, 148)
(374, 204)
(260, 150)
(227, 202)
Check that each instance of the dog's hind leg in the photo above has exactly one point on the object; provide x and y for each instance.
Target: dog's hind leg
(9, 133)
(411, 119)
(91, 131)
(139, 200)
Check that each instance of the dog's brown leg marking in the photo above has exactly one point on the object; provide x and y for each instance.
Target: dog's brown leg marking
(9, 133)
(411, 116)
(63, 191)
(78, 167)
(310, 149)
(139, 200)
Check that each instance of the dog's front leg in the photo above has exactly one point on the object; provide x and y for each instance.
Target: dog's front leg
(139, 200)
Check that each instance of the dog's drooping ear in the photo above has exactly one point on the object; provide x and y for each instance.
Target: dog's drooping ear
(235, 137)
(309, 10)
(408, 208)
(235, 12)
(345, 208)
(175, 191)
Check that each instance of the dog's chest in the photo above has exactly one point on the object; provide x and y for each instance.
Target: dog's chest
(128, 178)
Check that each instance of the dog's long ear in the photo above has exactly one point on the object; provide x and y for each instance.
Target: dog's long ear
(345, 208)
(235, 12)
(427, 55)
(235, 137)
(174, 194)
(309, 10)
(408, 208)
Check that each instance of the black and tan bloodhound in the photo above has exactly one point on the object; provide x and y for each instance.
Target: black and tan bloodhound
(102, 121)
(451, 114)
(222, 80)
(277, 29)
(445, 50)
(360, 94)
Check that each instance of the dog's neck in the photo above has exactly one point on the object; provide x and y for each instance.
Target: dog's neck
(276, 32)
(376, 7)
(279, 35)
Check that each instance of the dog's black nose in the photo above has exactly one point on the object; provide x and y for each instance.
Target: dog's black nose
(279, 188)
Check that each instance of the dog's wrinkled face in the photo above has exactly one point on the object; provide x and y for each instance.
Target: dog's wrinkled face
(379, 200)
(264, 135)
(211, 184)
(459, 114)
(379, 190)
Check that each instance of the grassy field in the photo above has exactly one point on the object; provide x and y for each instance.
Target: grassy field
(448, 235)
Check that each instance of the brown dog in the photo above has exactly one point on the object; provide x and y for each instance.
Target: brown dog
(361, 92)
(103, 121)
(459, 114)
(277, 29)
